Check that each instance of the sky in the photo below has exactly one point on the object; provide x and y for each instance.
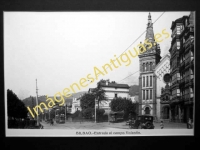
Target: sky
(60, 48)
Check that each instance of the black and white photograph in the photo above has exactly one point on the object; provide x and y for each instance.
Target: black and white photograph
(99, 73)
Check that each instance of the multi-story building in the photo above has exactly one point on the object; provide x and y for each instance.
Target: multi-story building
(182, 68)
(75, 105)
(112, 90)
(147, 79)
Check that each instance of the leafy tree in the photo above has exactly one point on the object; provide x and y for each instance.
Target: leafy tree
(87, 101)
(123, 104)
(88, 113)
(100, 113)
(76, 114)
(16, 108)
(99, 93)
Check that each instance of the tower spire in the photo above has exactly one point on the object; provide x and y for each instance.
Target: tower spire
(149, 18)
(149, 33)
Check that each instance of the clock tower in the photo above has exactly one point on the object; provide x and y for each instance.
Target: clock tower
(148, 59)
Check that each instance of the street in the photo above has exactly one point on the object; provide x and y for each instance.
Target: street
(106, 125)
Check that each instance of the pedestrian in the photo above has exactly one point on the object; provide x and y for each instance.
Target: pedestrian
(161, 125)
(189, 123)
(51, 122)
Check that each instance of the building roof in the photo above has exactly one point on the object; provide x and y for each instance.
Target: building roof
(91, 89)
(179, 20)
(115, 85)
(167, 56)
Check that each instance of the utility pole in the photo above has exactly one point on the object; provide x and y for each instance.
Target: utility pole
(96, 100)
(65, 112)
(37, 103)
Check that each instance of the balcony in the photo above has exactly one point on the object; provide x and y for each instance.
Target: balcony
(187, 80)
(182, 98)
(183, 63)
(182, 81)
(192, 61)
(187, 97)
(192, 81)
(191, 95)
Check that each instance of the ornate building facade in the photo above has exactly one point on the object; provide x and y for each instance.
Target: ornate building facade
(162, 72)
(182, 68)
(147, 78)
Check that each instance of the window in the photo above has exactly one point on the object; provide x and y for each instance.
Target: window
(143, 94)
(147, 66)
(147, 81)
(178, 92)
(147, 94)
(178, 45)
(143, 81)
(150, 80)
(151, 66)
(183, 40)
(115, 95)
(191, 74)
(178, 76)
(178, 28)
(143, 66)
(150, 94)
(186, 22)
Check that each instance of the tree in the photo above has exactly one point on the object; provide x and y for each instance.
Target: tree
(16, 108)
(123, 104)
(99, 93)
(87, 101)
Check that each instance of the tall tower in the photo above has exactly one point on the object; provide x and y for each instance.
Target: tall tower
(147, 79)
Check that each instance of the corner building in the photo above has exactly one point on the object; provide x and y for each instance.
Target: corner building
(147, 78)
(182, 69)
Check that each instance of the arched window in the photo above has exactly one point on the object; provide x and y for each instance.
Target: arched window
(143, 67)
(147, 66)
(151, 66)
